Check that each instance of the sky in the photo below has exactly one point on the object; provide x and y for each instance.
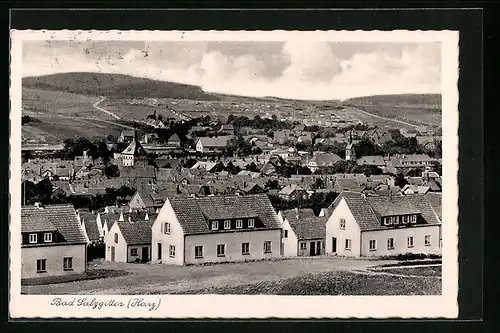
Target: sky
(293, 69)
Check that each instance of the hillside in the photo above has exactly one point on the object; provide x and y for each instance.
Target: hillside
(431, 101)
(115, 85)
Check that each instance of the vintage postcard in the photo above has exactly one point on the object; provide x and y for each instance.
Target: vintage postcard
(234, 174)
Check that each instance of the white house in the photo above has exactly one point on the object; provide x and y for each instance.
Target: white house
(383, 225)
(214, 144)
(192, 230)
(129, 241)
(303, 233)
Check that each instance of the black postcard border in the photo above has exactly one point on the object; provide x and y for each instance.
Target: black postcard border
(468, 22)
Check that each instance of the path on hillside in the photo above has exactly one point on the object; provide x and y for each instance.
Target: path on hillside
(384, 118)
(96, 106)
(44, 115)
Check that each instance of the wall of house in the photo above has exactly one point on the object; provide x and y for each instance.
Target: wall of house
(131, 258)
(136, 202)
(175, 238)
(400, 236)
(351, 232)
(54, 255)
(307, 251)
(120, 247)
(290, 245)
(233, 242)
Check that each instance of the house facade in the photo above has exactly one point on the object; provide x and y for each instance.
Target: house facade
(129, 241)
(303, 233)
(215, 229)
(214, 144)
(53, 242)
(362, 226)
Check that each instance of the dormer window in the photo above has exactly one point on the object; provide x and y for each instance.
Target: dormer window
(251, 223)
(227, 224)
(239, 224)
(215, 225)
(396, 219)
(387, 221)
(405, 219)
(47, 237)
(33, 238)
(413, 219)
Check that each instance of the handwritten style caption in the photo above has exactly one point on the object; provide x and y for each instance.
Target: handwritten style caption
(95, 304)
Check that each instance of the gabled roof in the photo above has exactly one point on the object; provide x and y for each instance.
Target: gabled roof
(289, 189)
(32, 223)
(325, 159)
(91, 229)
(62, 217)
(435, 201)
(215, 142)
(174, 138)
(136, 149)
(371, 160)
(308, 227)
(147, 171)
(136, 233)
(193, 213)
(347, 184)
(367, 211)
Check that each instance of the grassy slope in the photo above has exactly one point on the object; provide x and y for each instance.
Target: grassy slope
(115, 85)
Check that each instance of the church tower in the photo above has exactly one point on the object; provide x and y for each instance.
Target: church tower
(350, 153)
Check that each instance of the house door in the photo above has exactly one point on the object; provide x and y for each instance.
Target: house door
(112, 253)
(145, 254)
(159, 251)
(312, 248)
(318, 248)
(334, 244)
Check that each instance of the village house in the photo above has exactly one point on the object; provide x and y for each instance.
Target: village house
(403, 162)
(320, 161)
(129, 241)
(414, 189)
(303, 233)
(150, 138)
(214, 144)
(127, 136)
(90, 226)
(216, 229)
(174, 140)
(53, 242)
(146, 200)
(361, 225)
(134, 154)
(293, 192)
(377, 161)
(226, 129)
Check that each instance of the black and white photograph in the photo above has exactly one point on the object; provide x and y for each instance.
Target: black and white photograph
(174, 174)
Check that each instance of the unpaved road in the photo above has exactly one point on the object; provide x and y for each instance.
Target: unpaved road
(97, 107)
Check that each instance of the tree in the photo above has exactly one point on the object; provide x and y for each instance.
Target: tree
(366, 148)
(437, 167)
(367, 170)
(318, 184)
(112, 170)
(400, 180)
(272, 184)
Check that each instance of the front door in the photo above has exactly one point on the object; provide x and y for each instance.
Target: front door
(159, 251)
(334, 244)
(145, 254)
(312, 248)
(112, 253)
(318, 248)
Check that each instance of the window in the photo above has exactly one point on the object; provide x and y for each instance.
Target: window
(427, 240)
(286, 234)
(245, 248)
(133, 252)
(116, 238)
(396, 219)
(303, 246)
(267, 246)
(41, 265)
(348, 244)
(239, 224)
(215, 225)
(198, 251)
(387, 221)
(409, 241)
(167, 228)
(390, 243)
(221, 250)
(171, 250)
(342, 224)
(251, 223)
(68, 264)
(227, 224)
(33, 238)
(405, 219)
(373, 245)
(414, 219)
(47, 237)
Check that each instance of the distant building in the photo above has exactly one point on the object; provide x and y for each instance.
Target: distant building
(293, 192)
(127, 136)
(226, 129)
(214, 144)
(322, 161)
(134, 154)
(303, 233)
(53, 242)
(174, 140)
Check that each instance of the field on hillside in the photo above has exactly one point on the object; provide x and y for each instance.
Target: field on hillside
(415, 115)
(59, 102)
(56, 128)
